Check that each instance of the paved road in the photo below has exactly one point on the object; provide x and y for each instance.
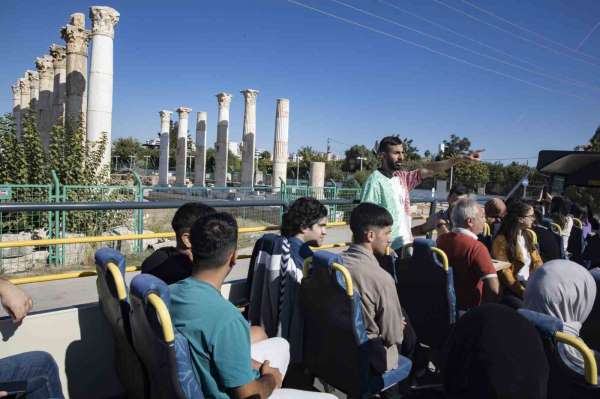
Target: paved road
(65, 293)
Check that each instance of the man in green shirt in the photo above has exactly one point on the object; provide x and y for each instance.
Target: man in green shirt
(225, 362)
(390, 187)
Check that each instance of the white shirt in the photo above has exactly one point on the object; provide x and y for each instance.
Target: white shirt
(523, 274)
(404, 222)
(467, 232)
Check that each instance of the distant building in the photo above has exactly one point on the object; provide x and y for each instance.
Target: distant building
(234, 147)
(152, 143)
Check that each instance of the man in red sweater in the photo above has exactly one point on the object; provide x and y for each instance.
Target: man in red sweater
(475, 278)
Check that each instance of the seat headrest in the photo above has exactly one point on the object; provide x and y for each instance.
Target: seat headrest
(325, 259)
(305, 251)
(106, 254)
(143, 284)
(422, 251)
(546, 324)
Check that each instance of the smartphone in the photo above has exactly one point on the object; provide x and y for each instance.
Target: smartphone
(14, 389)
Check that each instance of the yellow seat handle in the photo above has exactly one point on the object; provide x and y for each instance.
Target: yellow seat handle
(117, 277)
(164, 317)
(589, 360)
(336, 266)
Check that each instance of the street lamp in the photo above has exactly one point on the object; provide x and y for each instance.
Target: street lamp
(131, 161)
(361, 159)
(146, 164)
(116, 157)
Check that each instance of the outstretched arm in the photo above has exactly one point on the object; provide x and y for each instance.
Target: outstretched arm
(442, 166)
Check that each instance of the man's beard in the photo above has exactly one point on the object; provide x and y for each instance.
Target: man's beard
(394, 166)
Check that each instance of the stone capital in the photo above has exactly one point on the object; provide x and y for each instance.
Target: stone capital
(250, 95)
(224, 99)
(33, 77)
(77, 19)
(59, 56)
(76, 37)
(164, 114)
(104, 20)
(183, 112)
(16, 89)
(24, 86)
(44, 67)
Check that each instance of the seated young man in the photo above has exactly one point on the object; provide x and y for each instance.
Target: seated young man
(371, 227)
(304, 222)
(172, 264)
(219, 337)
(475, 278)
(37, 371)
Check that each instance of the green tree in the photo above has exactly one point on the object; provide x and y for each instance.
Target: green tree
(13, 165)
(34, 152)
(472, 174)
(497, 180)
(125, 148)
(456, 146)
(351, 163)
(595, 141)
(333, 171)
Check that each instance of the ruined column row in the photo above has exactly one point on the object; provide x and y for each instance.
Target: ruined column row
(57, 92)
(222, 143)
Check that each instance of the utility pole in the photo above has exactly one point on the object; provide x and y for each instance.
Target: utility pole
(146, 164)
(131, 161)
(116, 157)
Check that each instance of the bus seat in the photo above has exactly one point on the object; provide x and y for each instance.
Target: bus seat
(576, 244)
(590, 331)
(164, 352)
(549, 243)
(336, 347)
(112, 296)
(564, 382)
(591, 253)
(426, 292)
(388, 263)
(556, 231)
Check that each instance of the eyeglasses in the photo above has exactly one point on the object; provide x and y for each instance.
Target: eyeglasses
(530, 216)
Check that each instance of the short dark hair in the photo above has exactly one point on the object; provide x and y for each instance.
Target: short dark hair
(302, 214)
(187, 214)
(213, 237)
(366, 216)
(388, 141)
(458, 190)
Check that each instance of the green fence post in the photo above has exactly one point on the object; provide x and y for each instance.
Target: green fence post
(54, 218)
(139, 213)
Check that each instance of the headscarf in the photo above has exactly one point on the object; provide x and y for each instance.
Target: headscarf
(493, 352)
(567, 291)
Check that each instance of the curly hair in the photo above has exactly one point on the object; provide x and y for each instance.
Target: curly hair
(302, 214)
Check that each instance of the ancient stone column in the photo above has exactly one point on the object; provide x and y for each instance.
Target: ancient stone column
(34, 89)
(100, 91)
(163, 162)
(76, 37)
(200, 160)
(46, 73)
(248, 137)
(181, 160)
(280, 148)
(59, 88)
(25, 95)
(317, 174)
(16, 92)
(222, 146)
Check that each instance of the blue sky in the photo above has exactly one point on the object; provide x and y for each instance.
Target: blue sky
(344, 81)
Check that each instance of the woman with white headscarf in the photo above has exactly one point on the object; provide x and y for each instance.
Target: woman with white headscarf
(567, 291)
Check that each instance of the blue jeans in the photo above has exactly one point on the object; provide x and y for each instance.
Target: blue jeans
(37, 368)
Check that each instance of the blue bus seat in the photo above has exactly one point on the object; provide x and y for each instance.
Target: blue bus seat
(564, 381)
(336, 346)
(590, 331)
(426, 292)
(576, 244)
(164, 352)
(112, 297)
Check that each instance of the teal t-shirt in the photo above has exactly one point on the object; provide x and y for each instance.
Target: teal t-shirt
(218, 334)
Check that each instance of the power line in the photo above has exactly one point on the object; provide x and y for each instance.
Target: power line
(450, 43)
(520, 37)
(575, 82)
(488, 12)
(457, 59)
